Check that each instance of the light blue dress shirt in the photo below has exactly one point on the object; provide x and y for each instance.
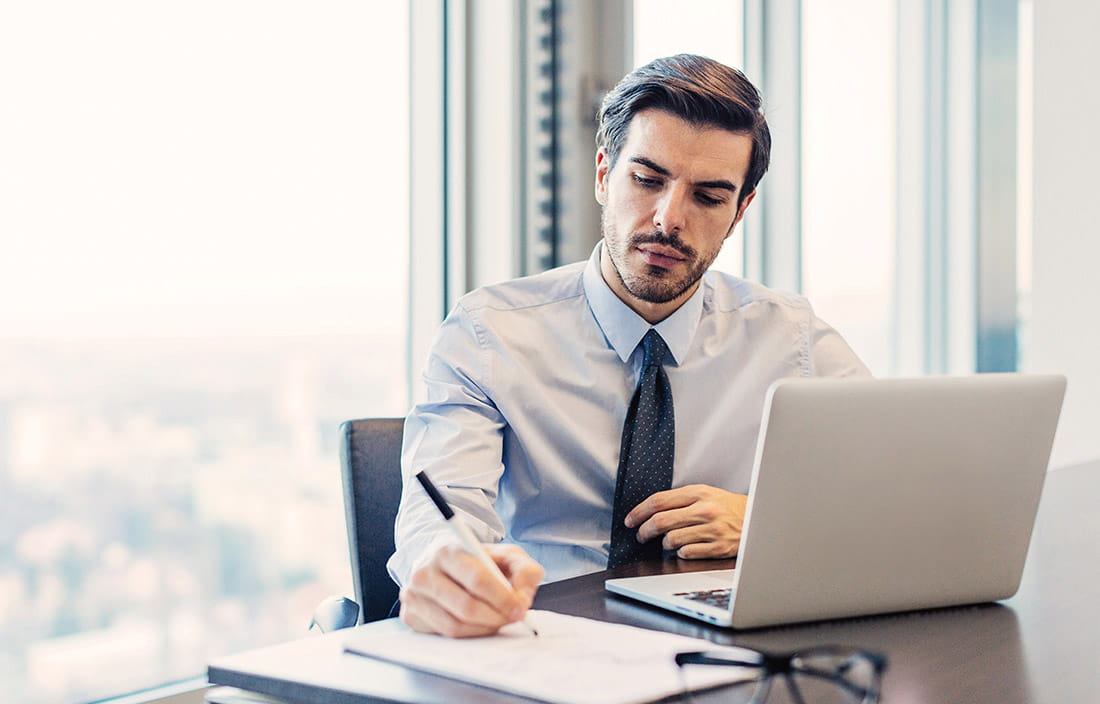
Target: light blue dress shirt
(528, 385)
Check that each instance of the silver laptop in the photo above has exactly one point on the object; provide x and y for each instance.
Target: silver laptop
(880, 495)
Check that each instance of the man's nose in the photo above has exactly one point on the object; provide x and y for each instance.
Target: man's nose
(671, 211)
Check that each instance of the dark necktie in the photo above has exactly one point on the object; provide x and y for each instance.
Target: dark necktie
(645, 460)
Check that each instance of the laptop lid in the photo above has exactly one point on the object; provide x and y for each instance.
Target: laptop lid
(879, 495)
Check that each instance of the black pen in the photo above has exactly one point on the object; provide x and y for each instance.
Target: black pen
(465, 535)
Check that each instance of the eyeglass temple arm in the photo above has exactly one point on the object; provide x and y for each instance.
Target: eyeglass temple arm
(704, 659)
(700, 658)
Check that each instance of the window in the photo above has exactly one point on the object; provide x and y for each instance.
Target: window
(204, 213)
(849, 162)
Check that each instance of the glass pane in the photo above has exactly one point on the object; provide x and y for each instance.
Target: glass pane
(849, 165)
(204, 216)
(707, 27)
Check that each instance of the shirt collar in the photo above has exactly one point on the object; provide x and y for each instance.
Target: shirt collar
(624, 328)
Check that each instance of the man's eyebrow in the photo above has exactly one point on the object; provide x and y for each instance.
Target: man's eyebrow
(725, 185)
(653, 166)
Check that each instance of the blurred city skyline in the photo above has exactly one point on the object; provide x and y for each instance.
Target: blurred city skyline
(170, 500)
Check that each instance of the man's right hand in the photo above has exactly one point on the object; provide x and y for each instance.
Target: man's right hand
(457, 596)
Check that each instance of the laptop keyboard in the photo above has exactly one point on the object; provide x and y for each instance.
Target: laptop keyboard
(715, 597)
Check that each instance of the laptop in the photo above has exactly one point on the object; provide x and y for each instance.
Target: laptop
(879, 495)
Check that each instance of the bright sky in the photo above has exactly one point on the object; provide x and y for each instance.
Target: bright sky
(203, 167)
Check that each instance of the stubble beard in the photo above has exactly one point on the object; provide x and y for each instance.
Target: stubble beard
(653, 284)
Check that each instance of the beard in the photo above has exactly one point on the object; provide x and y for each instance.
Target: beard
(649, 283)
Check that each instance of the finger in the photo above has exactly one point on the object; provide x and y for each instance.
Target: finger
(436, 585)
(664, 521)
(478, 580)
(524, 573)
(426, 616)
(661, 501)
(705, 541)
(707, 551)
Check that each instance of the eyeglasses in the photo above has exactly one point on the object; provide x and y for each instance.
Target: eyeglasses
(822, 675)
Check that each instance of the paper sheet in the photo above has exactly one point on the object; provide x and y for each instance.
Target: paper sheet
(573, 660)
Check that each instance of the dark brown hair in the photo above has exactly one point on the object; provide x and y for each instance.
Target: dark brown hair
(695, 89)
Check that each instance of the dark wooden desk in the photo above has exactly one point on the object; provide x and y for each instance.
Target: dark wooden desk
(1042, 646)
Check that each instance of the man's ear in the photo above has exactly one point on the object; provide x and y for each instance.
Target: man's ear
(741, 211)
(601, 176)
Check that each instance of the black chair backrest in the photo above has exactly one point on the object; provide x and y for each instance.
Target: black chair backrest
(370, 462)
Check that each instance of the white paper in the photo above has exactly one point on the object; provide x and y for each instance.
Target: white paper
(573, 660)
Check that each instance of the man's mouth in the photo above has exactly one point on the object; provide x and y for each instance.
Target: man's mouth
(660, 255)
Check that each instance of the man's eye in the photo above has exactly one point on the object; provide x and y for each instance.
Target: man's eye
(708, 200)
(646, 182)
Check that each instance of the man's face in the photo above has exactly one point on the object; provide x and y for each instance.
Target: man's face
(668, 205)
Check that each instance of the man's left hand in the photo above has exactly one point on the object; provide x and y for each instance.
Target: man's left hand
(697, 521)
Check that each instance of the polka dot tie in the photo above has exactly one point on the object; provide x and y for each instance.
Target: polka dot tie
(645, 461)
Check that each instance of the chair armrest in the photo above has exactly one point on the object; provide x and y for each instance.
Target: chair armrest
(335, 613)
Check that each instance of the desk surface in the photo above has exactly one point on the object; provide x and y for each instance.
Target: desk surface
(1042, 645)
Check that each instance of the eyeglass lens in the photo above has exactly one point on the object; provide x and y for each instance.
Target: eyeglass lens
(826, 678)
(815, 677)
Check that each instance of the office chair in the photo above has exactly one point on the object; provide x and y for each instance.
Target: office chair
(370, 465)
(370, 468)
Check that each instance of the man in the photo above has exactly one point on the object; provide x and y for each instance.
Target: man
(609, 409)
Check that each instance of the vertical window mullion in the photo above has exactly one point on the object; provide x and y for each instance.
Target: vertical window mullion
(427, 183)
(773, 61)
(961, 189)
(910, 317)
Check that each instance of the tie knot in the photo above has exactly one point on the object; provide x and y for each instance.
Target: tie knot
(655, 349)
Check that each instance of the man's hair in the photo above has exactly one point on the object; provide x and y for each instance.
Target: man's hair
(696, 89)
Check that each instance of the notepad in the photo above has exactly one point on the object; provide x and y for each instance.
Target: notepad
(573, 660)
